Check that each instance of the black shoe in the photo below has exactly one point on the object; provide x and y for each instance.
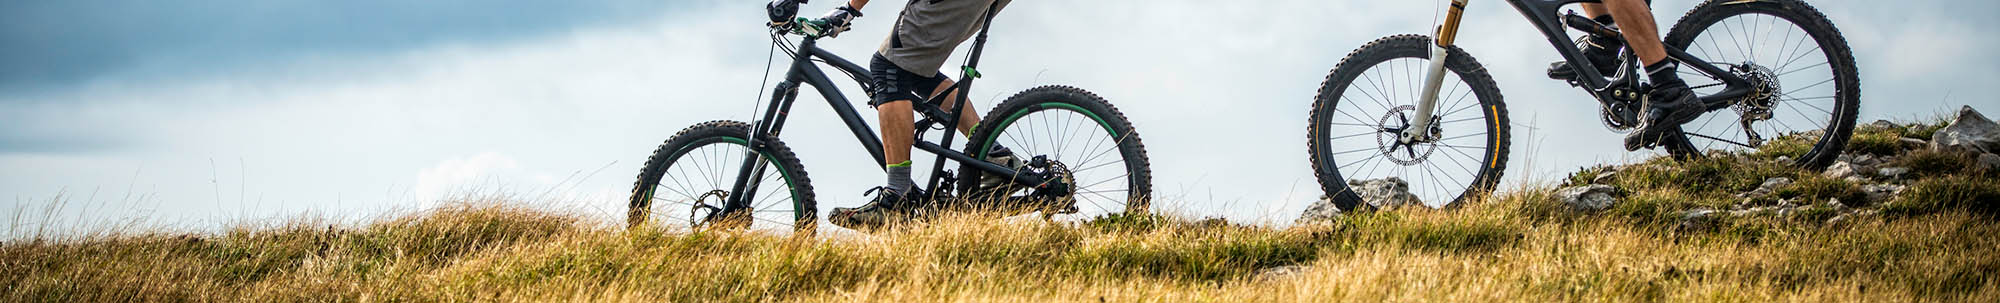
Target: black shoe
(888, 208)
(1664, 109)
(1602, 53)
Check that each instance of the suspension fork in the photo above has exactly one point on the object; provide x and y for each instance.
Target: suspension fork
(750, 176)
(1419, 130)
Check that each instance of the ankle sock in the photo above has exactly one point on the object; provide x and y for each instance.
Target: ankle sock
(1664, 73)
(899, 178)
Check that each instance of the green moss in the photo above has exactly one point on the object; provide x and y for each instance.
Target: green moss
(1927, 163)
(1812, 188)
(1968, 193)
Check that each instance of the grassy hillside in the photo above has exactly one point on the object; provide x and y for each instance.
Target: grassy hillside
(1934, 241)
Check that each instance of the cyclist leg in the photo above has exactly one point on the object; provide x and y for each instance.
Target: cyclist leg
(1601, 51)
(893, 99)
(967, 119)
(1670, 102)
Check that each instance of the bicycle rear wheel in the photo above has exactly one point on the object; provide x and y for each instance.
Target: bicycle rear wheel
(1809, 90)
(1088, 141)
(1366, 101)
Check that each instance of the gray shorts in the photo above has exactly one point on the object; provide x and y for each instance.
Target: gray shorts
(928, 30)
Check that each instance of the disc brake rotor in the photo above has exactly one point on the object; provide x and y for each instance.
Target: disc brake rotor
(701, 212)
(1389, 133)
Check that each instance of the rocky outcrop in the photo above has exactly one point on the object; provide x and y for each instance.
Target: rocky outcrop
(1594, 197)
(1386, 193)
(1389, 192)
(1970, 131)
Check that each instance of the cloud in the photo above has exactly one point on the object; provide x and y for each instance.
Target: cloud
(377, 124)
(456, 174)
(61, 43)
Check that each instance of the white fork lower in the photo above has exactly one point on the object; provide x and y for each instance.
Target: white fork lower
(1419, 130)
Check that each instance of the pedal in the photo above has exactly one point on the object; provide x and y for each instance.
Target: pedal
(1559, 72)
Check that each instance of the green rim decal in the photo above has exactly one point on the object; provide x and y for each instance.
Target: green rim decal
(981, 152)
(798, 207)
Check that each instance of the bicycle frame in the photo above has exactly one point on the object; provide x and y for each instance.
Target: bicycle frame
(1542, 14)
(785, 93)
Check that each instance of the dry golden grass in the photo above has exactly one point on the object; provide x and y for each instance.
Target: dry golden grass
(1936, 243)
(1496, 250)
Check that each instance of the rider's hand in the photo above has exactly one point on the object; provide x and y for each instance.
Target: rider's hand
(782, 11)
(837, 20)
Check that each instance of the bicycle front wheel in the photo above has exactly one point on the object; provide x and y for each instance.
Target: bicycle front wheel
(1371, 96)
(688, 179)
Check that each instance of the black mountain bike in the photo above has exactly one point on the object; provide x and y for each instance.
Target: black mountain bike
(1081, 157)
(1765, 68)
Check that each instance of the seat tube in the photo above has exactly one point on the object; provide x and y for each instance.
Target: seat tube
(1427, 105)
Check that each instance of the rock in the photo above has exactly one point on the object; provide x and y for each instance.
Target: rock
(1866, 160)
(1774, 183)
(1989, 161)
(1698, 219)
(1885, 124)
(1281, 272)
(1913, 143)
(1970, 131)
(1892, 171)
(1770, 186)
(1839, 170)
(1389, 192)
(1878, 193)
(1835, 204)
(1320, 211)
(1594, 197)
(1761, 211)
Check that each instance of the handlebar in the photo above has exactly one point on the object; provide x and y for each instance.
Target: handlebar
(803, 26)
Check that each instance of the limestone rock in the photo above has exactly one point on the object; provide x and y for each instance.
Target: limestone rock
(1281, 272)
(1892, 172)
(1840, 170)
(1770, 186)
(1913, 143)
(1320, 211)
(1878, 193)
(1388, 192)
(1594, 197)
(1989, 161)
(1971, 131)
(1698, 219)
(1885, 124)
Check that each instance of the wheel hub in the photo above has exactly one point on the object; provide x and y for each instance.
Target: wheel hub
(701, 212)
(1765, 91)
(1389, 137)
(1061, 189)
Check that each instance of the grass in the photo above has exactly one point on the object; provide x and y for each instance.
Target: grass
(1496, 249)
(1933, 243)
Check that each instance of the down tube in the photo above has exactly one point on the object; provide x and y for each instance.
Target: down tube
(845, 110)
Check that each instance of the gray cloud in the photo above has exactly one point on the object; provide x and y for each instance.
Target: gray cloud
(359, 120)
(55, 44)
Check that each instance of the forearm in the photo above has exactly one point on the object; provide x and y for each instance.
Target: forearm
(857, 4)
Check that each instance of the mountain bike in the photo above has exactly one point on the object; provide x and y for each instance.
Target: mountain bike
(1082, 157)
(1775, 75)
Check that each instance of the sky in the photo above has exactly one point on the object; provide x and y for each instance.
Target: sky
(208, 113)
